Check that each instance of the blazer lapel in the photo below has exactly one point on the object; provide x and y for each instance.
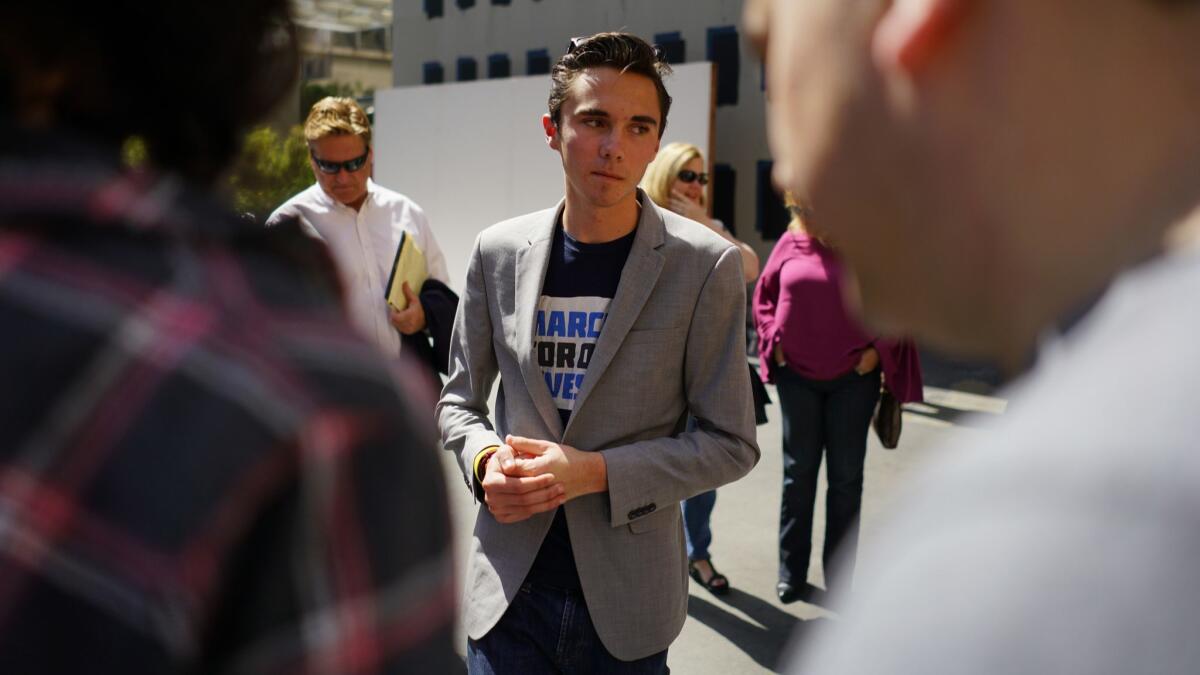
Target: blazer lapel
(531, 273)
(638, 278)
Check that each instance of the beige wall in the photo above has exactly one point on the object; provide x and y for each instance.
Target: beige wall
(372, 69)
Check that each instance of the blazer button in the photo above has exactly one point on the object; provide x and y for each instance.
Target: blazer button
(650, 509)
(634, 514)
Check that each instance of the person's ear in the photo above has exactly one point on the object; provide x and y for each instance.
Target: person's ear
(911, 32)
(552, 137)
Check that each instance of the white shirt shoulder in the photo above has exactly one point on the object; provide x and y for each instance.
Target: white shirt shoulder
(409, 215)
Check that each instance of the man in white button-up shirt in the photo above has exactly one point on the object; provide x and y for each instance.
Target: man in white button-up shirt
(361, 222)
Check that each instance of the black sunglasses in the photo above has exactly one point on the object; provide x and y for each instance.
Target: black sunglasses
(687, 176)
(350, 165)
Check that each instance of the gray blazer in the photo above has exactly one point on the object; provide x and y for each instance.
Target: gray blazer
(673, 343)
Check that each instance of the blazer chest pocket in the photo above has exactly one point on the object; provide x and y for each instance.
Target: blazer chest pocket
(654, 520)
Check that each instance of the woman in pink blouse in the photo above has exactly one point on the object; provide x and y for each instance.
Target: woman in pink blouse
(828, 371)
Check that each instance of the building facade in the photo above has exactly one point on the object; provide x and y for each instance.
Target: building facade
(344, 55)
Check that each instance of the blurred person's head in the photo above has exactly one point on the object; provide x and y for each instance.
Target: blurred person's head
(187, 77)
(987, 165)
(677, 166)
(338, 133)
(608, 108)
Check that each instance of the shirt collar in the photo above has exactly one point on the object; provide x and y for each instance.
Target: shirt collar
(328, 201)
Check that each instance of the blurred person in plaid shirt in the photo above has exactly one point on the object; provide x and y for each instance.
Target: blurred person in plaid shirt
(202, 468)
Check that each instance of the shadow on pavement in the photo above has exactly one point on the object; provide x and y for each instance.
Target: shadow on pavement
(763, 641)
(955, 416)
(948, 372)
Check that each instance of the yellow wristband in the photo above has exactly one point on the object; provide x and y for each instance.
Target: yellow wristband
(481, 460)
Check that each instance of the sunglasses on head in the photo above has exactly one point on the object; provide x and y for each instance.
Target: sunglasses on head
(577, 42)
(350, 165)
(687, 176)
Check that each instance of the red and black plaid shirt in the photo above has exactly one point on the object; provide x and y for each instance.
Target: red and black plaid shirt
(201, 468)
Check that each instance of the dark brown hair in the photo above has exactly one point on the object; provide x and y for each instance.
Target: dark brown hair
(187, 76)
(625, 52)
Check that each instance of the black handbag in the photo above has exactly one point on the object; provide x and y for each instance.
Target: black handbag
(887, 420)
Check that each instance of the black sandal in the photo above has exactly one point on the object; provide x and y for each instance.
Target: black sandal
(712, 585)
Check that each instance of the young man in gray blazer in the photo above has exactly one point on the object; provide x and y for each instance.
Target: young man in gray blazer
(608, 321)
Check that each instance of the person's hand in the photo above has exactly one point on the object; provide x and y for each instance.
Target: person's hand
(579, 472)
(868, 361)
(411, 319)
(683, 205)
(512, 497)
(777, 354)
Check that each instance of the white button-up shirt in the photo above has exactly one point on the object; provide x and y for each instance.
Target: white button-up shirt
(363, 246)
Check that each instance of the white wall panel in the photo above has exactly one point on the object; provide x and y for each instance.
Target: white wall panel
(473, 153)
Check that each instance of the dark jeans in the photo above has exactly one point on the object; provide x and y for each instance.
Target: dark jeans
(697, 512)
(830, 416)
(548, 631)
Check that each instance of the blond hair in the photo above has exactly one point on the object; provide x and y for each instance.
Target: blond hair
(799, 212)
(664, 171)
(337, 116)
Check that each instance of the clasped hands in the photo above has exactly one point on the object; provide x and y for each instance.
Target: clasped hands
(527, 476)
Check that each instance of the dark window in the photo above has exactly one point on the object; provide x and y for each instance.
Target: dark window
(433, 73)
(673, 47)
(723, 195)
(499, 66)
(433, 8)
(465, 4)
(723, 51)
(317, 67)
(772, 215)
(376, 39)
(344, 40)
(467, 69)
(537, 62)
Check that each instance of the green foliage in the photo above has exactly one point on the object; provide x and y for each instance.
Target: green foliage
(270, 170)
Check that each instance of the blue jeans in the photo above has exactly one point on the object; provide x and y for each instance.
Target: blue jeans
(697, 512)
(830, 418)
(548, 631)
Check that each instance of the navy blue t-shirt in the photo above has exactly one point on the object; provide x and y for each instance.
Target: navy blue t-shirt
(581, 280)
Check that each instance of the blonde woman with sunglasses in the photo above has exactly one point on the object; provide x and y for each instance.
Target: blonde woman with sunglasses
(677, 179)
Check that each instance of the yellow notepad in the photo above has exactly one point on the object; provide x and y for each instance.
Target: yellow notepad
(409, 266)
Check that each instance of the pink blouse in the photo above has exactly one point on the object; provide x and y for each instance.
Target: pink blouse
(798, 305)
